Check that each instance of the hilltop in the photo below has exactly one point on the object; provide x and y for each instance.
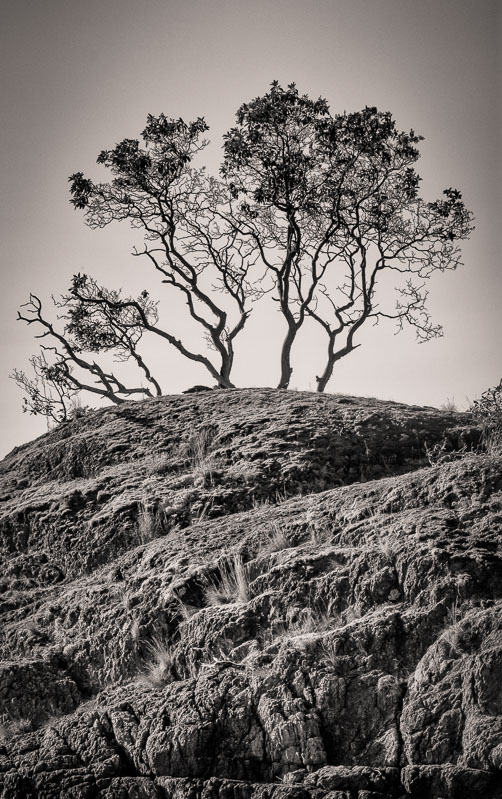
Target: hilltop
(252, 594)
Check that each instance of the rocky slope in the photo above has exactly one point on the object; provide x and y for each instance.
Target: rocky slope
(252, 595)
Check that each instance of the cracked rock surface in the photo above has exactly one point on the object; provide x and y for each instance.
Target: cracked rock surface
(252, 594)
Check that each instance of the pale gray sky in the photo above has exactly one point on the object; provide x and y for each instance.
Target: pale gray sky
(79, 76)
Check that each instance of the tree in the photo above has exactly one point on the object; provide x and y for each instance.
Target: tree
(182, 213)
(331, 203)
(314, 209)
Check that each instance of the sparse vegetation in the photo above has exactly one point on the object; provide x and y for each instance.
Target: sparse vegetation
(442, 452)
(232, 584)
(159, 464)
(186, 610)
(77, 410)
(134, 631)
(487, 411)
(301, 622)
(150, 523)
(330, 651)
(199, 453)
(204, 617)
(449, 405)
(161, 667)
(452, 634)
(387, 547)
(319, 533)
(276, 540)
(454, 614)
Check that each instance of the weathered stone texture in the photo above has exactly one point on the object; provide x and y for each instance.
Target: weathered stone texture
(252, 595)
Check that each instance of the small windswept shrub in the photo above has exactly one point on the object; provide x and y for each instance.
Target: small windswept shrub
(77, 410)
(487, 412)
(443, 452)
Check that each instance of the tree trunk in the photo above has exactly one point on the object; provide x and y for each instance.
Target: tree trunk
(286, 368)
(322, 381)
(226, 368)
(333, 357)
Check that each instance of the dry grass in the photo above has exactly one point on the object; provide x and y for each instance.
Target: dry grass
(330, 652)
(205, 511)
(317, 530)
(319, 534)
(231, 586)
(186, 610)
(388, 548)
(150, 523)
(160, 669)
(199, 453)
(452, 634)
(310, 621)
(134, 631)
(276, 540)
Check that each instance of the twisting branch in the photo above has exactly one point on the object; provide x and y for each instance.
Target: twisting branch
(59, 379)
(120, 321)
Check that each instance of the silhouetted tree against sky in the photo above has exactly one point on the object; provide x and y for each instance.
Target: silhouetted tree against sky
(332, 203)
(187, 240)
(319, 211)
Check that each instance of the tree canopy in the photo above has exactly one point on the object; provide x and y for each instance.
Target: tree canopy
(311, 208)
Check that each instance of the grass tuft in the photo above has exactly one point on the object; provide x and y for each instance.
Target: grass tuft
(276, 540)
(150, 523)
(160, 670)
(231, 586)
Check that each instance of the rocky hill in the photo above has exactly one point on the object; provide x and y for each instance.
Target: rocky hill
(252, 594)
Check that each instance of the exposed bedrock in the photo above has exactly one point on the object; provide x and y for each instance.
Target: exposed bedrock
(322, 617)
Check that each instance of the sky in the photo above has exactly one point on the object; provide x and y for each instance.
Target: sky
(78, 77)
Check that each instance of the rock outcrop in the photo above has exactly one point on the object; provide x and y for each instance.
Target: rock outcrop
(252, 594)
